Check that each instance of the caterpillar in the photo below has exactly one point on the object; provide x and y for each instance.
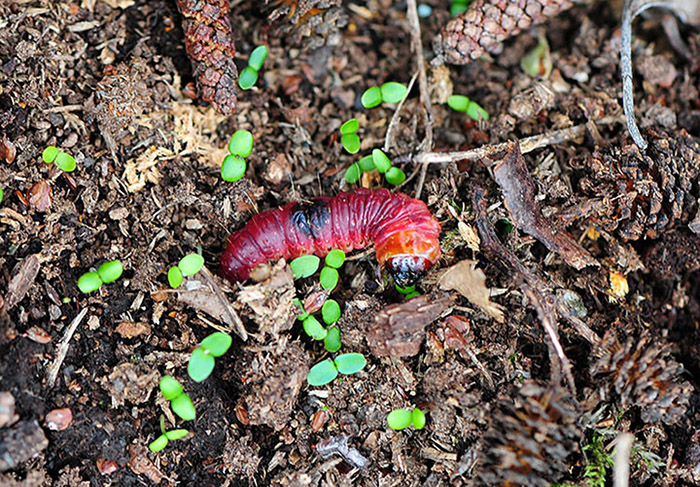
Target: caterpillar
(210, 47)
(404, 233)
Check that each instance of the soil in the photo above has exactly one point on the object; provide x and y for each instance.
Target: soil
(105, 80)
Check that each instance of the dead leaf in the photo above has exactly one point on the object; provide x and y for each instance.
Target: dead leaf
(130, 329)
(470, 282)
(141, 465)
(40, 196)
(21, 281)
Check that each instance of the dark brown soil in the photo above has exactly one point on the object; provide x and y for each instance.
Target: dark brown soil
(104, 80)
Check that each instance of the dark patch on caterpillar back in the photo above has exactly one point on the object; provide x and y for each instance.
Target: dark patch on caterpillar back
(311, 218)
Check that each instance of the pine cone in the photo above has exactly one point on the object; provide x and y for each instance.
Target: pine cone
(530, 441)
(644, 194)
(644, 375)
(210, 47)
(487, 23)
(310, 22)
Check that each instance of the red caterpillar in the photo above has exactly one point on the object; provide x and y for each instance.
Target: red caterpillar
(210, 47)
(404, 233)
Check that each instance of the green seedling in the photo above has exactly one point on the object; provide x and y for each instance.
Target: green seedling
(405, 290)
(332, 341)
(110, 271)
(372, 97)
(393, 92)
(2, 195)
(314, 328)
(330, 312)
(233, 168)
(303, 314)
(65, 162)
(366, 164)
(175, 277)
(459, 6)
(351, 143)
(476, 112)
(304, 266)
(322, 373)
(381, 162)
(162, 441)
(170, 387)
(191, 264)
(217, 344)
(89, 282)
(458, 103)
(535, 63)
(158, 444)
(335, 258)
(180, 403)
(395, 176)
(241, 143)
(350, 363)
(352, 174)
(329, 278)
(399, 419)
(412, 295)
(247, 78)
(49, 154)
(202, 359)
(257, 58)
(349, 127)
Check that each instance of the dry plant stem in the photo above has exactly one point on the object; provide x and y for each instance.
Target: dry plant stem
(62, 348)
(427, 144)
(537, 290)
(527, 144)
(232, 315)
(582, 328)
(628, 15)
(621, 467)
(389, 138)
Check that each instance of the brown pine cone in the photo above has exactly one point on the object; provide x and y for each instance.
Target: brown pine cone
(644, 194)
(210, 47)
(644, 374)
(487, 23)
(310, 22)
(529, 441)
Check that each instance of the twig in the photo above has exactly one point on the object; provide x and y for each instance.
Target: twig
(621, 467)
(416, 41)
(628, 15)
(389, 138)
(232, 315)
(62, 349)
(527, 144)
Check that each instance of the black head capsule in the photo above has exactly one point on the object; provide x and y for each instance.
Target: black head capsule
(406, 270)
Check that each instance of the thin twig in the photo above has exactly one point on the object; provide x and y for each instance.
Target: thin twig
(628, 15)
(416, 41)
(63, 347)
(389, 138)
(621, 467)
(527, 144)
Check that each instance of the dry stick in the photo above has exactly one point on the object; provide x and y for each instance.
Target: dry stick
(527, 144)
(628, 15)
(232, 315)
(62, 349)
(389, 138)
(621, 467)
(416, 41)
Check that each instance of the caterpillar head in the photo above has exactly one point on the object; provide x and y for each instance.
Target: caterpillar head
(407, 269)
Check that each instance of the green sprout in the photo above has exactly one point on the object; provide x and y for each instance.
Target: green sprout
(304, 266)
(162, 441)
(191, 264)
(459, 6)
(351, 143)
(49, 154)
(350, 363)
(461, 103)
(534, 62)
(381, 162)
(400, 419)
(349, 127)
(175, 277)
(330, 312)
(233, 168)
(202, 359)
(372, 97)
(324, 372)
(303, 314)
(366, 164)
(332, 341)
(89, 282)
(257, 57)
(314, 328)
(329, 278)
(352, 174)
(247, 78)
(2, 195)
(335, 258)
(110, 271)
(241, 143)
(393, 92)
(180, 403)
(395, 176)
(63, 161)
